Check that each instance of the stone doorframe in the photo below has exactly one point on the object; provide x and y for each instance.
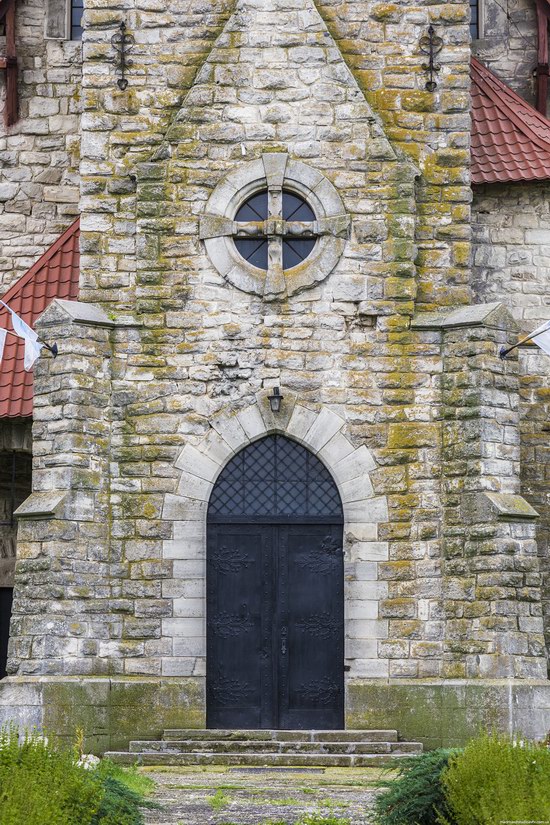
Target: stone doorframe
(322, 432)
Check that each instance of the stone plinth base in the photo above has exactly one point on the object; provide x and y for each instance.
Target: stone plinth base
(111, 712)
(448, 713)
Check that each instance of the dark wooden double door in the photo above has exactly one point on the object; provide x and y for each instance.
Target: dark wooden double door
(275, 626)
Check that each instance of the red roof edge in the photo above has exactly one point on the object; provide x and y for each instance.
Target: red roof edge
(42, 261)
(510, 138)
(489, 82)
(54, 275)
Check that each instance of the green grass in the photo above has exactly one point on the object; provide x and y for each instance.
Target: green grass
(218, 801)
(309, 819)
(133, 778)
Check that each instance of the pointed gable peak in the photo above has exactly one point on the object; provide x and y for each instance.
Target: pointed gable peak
(276, 77)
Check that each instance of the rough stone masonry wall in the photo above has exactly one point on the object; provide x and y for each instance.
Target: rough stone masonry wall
(199, 347)
(431, 128)
(40, 154)
(511, 248)
(508, 43)
(65, 604)
(120, 129)
(511, 260)
(185, 345)
(491, 570)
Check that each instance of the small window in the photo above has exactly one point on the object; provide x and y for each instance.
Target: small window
(475, 19)
(77, 7)
(6, 598)
(15, 485)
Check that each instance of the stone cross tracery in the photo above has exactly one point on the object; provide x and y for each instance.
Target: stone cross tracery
(275, 229)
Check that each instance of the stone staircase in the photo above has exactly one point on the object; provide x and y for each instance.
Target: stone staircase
(273, 748)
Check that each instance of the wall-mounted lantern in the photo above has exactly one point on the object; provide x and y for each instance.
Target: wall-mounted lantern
(275, 400)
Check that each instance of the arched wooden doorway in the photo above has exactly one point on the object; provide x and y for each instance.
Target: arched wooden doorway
(275, 592)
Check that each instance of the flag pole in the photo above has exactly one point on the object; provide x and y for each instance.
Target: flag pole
(505, 351)
(53, 348)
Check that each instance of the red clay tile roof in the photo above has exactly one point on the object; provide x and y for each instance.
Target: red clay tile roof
(54, 275)
(510, 139)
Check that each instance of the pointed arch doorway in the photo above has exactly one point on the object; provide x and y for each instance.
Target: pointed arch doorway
(275, 592)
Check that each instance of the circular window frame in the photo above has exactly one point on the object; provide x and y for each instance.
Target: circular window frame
(274, 170)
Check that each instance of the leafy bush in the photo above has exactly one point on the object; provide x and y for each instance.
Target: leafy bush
(42, 783)
(495, 778)
(416, 795)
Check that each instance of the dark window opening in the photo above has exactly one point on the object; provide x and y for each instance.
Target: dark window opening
(255, 249)
(6, 597)
(77, 7)
(15, 487)
(15, 484)
(474, 19)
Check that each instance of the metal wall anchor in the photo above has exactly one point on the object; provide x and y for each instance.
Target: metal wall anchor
(122, 44)
(431, 44)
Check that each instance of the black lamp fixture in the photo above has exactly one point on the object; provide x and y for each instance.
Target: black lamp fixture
(275, 400)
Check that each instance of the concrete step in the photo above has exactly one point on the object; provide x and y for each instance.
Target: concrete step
(256, 759)
(282, 735)
(270, 746)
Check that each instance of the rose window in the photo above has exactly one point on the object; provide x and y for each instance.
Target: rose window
(274, 227)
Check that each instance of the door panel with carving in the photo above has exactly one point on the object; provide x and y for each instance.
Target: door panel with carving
(311, 599)
(240, 606)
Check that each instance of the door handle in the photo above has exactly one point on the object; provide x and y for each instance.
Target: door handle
(284, 637)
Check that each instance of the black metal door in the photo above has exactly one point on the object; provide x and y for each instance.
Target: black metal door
(309, 627)
(275, 614)
(6, 595)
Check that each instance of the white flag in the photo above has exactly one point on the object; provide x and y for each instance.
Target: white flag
(3, 334)
(32, 351)
(541, 337)
(23, 330)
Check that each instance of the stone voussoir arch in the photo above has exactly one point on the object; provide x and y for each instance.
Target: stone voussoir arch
(321, 431)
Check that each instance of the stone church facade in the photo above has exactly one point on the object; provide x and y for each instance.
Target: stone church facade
(277, 201)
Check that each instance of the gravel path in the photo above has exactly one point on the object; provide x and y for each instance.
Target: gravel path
(239, 796)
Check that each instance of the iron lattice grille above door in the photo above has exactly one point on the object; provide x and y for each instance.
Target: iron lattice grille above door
(275, 479)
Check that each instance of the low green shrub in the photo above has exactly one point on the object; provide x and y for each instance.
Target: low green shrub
(416, 795)
(42, 783)
(497, 779)
(135, 780)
